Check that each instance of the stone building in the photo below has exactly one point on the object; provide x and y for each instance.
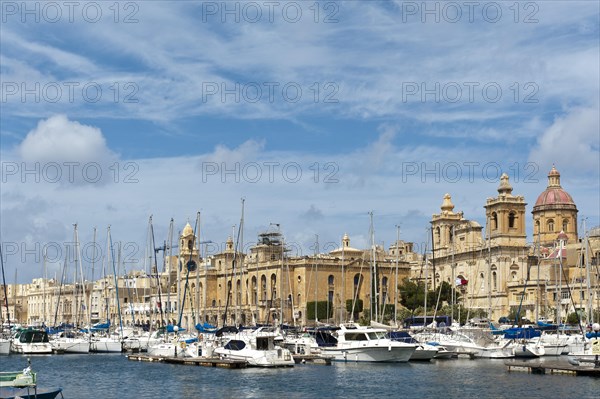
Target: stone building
(503, 272)
(270, 285)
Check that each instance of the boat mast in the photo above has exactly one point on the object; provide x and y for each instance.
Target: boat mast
(281, 285)
(45, 271)
(92, 283)
(316, 279)
(78, 254)
(396, 277)
(4, 286)
(374, 291)
(240, 247)
(197, 293)
(489, 285)
(453, 267)
(169, 282)
(425, 288)
(116, 281)
(588, 277)
(343, 283)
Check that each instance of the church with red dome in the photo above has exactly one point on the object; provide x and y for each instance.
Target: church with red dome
(506, 271)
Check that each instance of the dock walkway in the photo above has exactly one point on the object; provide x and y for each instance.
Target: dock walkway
(192, 361)
(553, 367)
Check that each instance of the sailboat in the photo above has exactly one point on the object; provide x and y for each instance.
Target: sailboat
(104, 342)
(72, 341)
(4, 340)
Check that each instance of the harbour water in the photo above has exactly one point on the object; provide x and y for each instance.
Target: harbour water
(114, 376)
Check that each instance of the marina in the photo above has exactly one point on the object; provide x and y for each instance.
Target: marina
(117, 376)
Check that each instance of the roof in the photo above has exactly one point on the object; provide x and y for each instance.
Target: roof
(554, 194)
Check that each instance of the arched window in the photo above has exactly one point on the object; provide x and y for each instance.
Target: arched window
(437, 235)
(537, 227)
(565, 224)
(495, 281)
(273, 285)
(263, 287)
(330, 279)
(513, 275)
(482, 277)
(254, 291)
(357, 282)
(494, 221)
(551, 225)
(511, 220)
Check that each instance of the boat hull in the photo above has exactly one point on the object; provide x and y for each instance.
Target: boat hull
(259, 358)
(4, 347)
(71, 346)
(40, 348)
(29, 393)
(106, 346)
(371, 354)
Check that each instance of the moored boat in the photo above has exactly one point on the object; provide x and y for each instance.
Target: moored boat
(31, 341)
(23, 385)
(256, 347)
(357, 343)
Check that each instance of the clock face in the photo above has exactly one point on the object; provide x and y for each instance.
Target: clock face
(191, 266)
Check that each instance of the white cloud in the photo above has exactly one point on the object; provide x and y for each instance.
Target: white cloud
(60, 139)
(572, 143)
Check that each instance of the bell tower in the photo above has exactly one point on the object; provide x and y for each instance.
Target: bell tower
(505, 215)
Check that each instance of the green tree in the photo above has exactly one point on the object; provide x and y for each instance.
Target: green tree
(412, 295)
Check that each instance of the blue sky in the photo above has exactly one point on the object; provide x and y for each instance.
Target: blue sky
(394, 104)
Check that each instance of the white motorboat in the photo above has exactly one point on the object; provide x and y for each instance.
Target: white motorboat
(462, 344)
(257, 348)
(366, 344)
(31, 341)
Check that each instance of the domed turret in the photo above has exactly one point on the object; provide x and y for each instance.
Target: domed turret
(447, 205)
(553, 212)
(187, 230)
(554, 195)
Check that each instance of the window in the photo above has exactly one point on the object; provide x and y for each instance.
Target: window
(495, 281)
(511, 220)
(537, 227)
(565, 224)
(494, 221)
(330, 279)
(550, 225)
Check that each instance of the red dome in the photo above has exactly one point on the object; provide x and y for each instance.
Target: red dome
(554, 196)
(554, 193)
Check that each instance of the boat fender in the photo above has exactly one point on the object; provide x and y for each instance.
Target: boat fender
(182, 344)
(200, 337)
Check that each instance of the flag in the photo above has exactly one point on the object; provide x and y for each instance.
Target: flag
(461, 281)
